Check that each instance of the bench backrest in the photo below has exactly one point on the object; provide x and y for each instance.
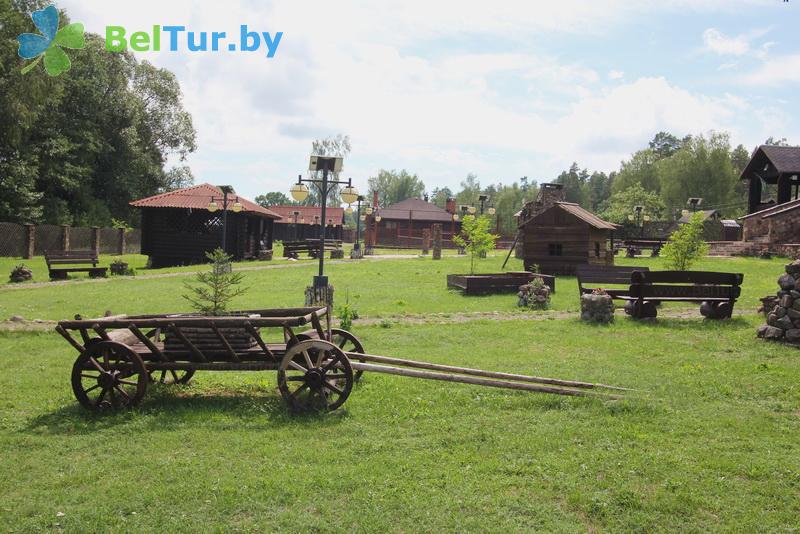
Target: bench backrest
(597, 275)
(71, 258)
(686, 284)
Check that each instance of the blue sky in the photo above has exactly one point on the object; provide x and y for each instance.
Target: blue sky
(501, 89)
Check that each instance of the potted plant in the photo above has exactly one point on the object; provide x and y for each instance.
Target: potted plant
(20, 273)
(119, 267)
(534, 295)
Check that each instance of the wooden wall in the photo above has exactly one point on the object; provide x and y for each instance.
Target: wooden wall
(580, 243)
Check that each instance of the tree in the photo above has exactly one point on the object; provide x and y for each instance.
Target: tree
(334, 146)
(701, 168)
(475, 237)
(79, 147)
(685, 246)
(440, 196)
(640, 169)
(470, 190)
(664, 145)
(217, 287)
(599, 189)
(622, 204)
(776, 142)
(394, 186)
(574, 182)
(273, 198)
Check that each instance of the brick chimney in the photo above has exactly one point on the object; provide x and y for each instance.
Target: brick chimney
(450, 205)
(548, 195)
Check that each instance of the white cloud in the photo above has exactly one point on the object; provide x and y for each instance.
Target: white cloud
(717, 42)
(777, 71)
(378, 72)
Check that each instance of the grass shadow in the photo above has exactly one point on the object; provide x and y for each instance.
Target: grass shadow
(164, 409)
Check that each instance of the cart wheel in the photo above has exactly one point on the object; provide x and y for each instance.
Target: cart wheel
(341, 338)
(348, 343)
(171, 376)
(315, 375)
(109, 375)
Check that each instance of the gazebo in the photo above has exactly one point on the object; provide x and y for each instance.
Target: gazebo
(178, 228)
(774, 165)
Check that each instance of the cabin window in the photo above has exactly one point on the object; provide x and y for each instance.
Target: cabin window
(390, 225)
(596, 249)
(555, 249)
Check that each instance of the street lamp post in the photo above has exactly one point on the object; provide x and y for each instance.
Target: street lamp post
(300, 192)
(359, 200)
(236, 208)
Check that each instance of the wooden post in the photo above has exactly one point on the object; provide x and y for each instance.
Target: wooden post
(426, 240)
(121, 241)
(437, 241)
(65, 237)
(95, 240)
(30, 241)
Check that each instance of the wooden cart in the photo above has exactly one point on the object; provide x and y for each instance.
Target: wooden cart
(317, 366)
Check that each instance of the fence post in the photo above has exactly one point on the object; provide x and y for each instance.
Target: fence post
(30, 241)
(437, 241)
(65, 237)
(96, 240)
(426, 240)
(121, 241)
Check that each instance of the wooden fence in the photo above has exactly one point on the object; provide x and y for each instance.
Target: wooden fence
(28, 240)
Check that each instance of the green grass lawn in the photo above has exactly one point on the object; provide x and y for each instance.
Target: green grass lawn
(708, 443)
(377, 288)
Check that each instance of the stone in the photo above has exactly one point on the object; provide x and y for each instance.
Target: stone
(794, 294)
(772, 319)
(779, 311)
(597, 308)
(793, 335)
(761, 330)
(793, 268)
(784, 323)
(797, 284)
(773, 333)
(796, 305)
(17, 318)
(786, 301)
(793, 314)
(786, 282)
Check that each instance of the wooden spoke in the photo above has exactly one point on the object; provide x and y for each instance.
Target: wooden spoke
(317, 389)
(347, 342)
(172, 376)
(308, 359)
(119, 382)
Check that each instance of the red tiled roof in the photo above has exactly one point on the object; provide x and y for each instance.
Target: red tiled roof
(197, 197)
(415, 209)
(307, 213)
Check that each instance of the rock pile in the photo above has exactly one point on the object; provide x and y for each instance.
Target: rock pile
(20, 273)
(597, 307)
(783, 321)
(535, 295)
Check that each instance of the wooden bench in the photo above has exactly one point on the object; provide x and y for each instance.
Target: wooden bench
(291, 249)
(716, 292)
(591, 277)
(635, 246)
(60, 264)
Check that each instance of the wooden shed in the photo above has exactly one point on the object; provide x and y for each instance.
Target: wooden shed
(402, 224)
(178, 228)
(558, 236)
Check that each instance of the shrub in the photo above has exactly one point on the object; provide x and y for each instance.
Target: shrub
(685, 246)
(217, 287)
(346, 315)
(475, 237)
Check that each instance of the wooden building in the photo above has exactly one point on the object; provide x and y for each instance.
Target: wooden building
(558, 236)
(303, 222)
(772, 165)
(178, 228)
(403, 223)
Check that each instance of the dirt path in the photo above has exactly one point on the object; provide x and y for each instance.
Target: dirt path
(287, 264)
(428, 318)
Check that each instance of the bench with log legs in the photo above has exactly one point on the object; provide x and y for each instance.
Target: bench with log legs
(60, 264)
(716, 292)
(591, 277)
(291, 249)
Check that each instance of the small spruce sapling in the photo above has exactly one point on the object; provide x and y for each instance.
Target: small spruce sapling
(217, 287)
(686, 245)
(475, 237)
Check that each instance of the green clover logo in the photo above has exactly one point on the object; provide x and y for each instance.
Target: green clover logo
(48, 45)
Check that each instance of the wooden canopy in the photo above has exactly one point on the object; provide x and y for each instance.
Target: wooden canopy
(772, 165)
